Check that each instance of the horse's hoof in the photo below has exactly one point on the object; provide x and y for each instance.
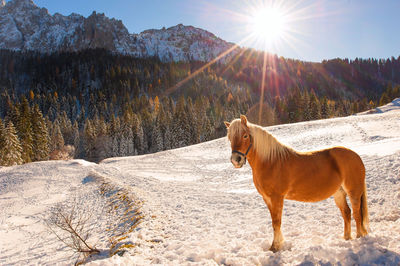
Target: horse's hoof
(347, 237)
(362, 234)
(274, 248)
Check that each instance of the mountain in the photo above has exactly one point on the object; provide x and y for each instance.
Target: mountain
(25, 26)
(198, 210)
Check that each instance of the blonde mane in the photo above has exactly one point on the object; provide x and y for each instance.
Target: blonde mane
(266, 145)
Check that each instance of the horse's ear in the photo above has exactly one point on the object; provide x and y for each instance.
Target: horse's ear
(243, 119)
(227, 124)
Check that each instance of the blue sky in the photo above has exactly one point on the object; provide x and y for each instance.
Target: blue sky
(318, 29)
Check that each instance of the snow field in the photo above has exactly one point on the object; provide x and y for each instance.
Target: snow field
(198, 210)
(212, 214)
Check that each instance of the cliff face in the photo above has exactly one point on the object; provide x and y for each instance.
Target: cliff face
(24, 26)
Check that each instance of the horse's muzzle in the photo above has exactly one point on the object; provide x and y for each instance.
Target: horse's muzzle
(237, 160)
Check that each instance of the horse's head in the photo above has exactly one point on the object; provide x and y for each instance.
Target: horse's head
(239, 136)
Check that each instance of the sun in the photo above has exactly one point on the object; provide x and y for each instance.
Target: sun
(268, 24)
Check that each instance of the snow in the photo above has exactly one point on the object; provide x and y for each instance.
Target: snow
(199, 210)
(180, 43)
(393, 106)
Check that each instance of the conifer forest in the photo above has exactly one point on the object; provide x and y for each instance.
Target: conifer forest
(94, 104)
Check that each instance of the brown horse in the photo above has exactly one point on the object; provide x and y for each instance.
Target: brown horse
(279, 173)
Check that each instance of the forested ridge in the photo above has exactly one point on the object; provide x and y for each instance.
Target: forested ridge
(94, 104)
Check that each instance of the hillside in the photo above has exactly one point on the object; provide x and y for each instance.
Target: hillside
(199, 210)
(108, 105)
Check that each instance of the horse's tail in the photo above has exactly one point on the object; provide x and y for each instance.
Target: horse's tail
(364, 210)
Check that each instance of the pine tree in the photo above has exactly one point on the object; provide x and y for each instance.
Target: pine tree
(66, 128)
(194, 136)
(156, 137)
(180, 125)
(56, 138)
(13, 114)
(164, 120)
(102, 140)
(305, 107)
(138, 135)
(76, 138)
(199, 115)
(324, 108)
(24, 130)
(11, 150)
(167, 138)
(139, 139)
(130, 143)
(208, 130)
(114, 131)
(147, 124)
(293, 109)
(314, 107)
(40, 136)
(89, 141)
(2, 132)
(384, 99)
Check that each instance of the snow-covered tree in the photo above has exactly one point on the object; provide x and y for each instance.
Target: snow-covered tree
(11, 148)
(138, 135)
(89, 135)
(314, 107)
(24, 130)
(40, 136)
(76, 136)
(324, 108)
(2, 130)
(66, 128)
(56, 138)
(156, 137)
(114, 131)
(180, 125)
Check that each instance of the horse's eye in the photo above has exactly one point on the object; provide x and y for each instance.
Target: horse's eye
(245, 136)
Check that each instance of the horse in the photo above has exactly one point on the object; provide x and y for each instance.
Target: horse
(280, 172)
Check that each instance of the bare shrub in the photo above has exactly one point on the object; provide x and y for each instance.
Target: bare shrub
(67, 152)
(71, 226)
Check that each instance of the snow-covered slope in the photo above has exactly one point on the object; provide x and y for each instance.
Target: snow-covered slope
(199, 210)
(24, 26)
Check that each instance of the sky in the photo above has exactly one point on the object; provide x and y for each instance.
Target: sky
(314, 29)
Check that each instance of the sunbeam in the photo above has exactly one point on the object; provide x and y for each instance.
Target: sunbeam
(195, 73)
(264, 70)
(267, 26)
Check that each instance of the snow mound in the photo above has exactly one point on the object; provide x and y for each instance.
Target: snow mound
(393, 106)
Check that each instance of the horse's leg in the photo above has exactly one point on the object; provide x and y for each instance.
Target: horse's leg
(340, 200)
(275, 206)
(355, 199)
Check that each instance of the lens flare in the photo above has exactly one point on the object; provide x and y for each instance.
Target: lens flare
(269, 24)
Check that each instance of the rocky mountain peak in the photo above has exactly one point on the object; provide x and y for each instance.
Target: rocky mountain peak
(24, 26)
(20, 3)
